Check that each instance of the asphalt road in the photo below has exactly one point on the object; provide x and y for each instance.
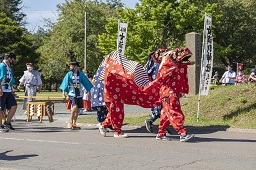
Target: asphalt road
(45, 145)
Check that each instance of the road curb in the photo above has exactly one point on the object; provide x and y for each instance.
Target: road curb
(241, 130)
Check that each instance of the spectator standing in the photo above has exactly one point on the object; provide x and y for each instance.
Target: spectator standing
(32, 82)
(228, 78)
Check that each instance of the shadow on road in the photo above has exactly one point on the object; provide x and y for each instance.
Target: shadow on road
(22, 126)
(4, 156)
(200, 140)
(190, 129)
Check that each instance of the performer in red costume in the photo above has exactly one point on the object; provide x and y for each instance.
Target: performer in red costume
(126, 82)
(170, 97)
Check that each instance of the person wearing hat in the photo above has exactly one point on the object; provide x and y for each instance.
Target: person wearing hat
(32, 81)
(72, 85)
(8, 100)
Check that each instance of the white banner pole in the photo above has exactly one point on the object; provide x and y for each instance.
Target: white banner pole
(207, 62)
(118, 27)
(200, 84)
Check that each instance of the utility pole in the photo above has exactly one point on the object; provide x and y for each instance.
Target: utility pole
(85, 37)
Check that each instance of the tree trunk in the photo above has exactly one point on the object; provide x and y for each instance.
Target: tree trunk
(164, 43)
(50, 86)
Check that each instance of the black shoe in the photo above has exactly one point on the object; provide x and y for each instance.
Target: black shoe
(149, 126)
(169, 131)
(8, 125)
(4, 129)
(110, 127)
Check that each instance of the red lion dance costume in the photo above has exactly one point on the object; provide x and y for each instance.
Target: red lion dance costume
(126, 82)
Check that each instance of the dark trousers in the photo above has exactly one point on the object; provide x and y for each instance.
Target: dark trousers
(156, 112)
(102, 112)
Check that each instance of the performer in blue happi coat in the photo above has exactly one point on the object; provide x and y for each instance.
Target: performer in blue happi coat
(7, 99)
(152, 67)
(97, 99)
(72, 86)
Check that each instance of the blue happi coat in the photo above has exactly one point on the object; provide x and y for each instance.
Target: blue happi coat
(4, 78)
(68, 86)
(98, 90)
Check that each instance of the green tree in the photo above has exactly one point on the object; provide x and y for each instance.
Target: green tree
(155, 24)
(65, 42)
(17, 39)
(114, 4)
(13, 10)
(235, 37)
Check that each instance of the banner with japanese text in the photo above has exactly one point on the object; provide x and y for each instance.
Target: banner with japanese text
(207, 57)
(122, 35)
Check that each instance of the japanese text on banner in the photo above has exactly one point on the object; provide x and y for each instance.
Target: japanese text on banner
(122, 35)
(207, 62)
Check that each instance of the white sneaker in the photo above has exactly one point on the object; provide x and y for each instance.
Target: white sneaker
(186, 138)
(98, 125)
(163, 138)
(102, 130)
(121, 135)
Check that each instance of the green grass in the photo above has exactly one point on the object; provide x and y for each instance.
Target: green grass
(233, 106)
(44, 94)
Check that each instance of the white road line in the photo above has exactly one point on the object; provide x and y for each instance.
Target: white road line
(33, 140)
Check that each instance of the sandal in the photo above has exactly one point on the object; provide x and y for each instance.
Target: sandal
(74, 127)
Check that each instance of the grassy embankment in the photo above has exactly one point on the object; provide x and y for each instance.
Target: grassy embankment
(233, 106)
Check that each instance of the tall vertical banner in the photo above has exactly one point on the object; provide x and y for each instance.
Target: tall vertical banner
(122, 35)
(207, 57)
(206, 61)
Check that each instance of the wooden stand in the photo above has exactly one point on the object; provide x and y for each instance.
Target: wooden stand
(40, 109)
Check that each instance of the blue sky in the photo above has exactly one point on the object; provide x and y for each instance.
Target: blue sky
(36, 10)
